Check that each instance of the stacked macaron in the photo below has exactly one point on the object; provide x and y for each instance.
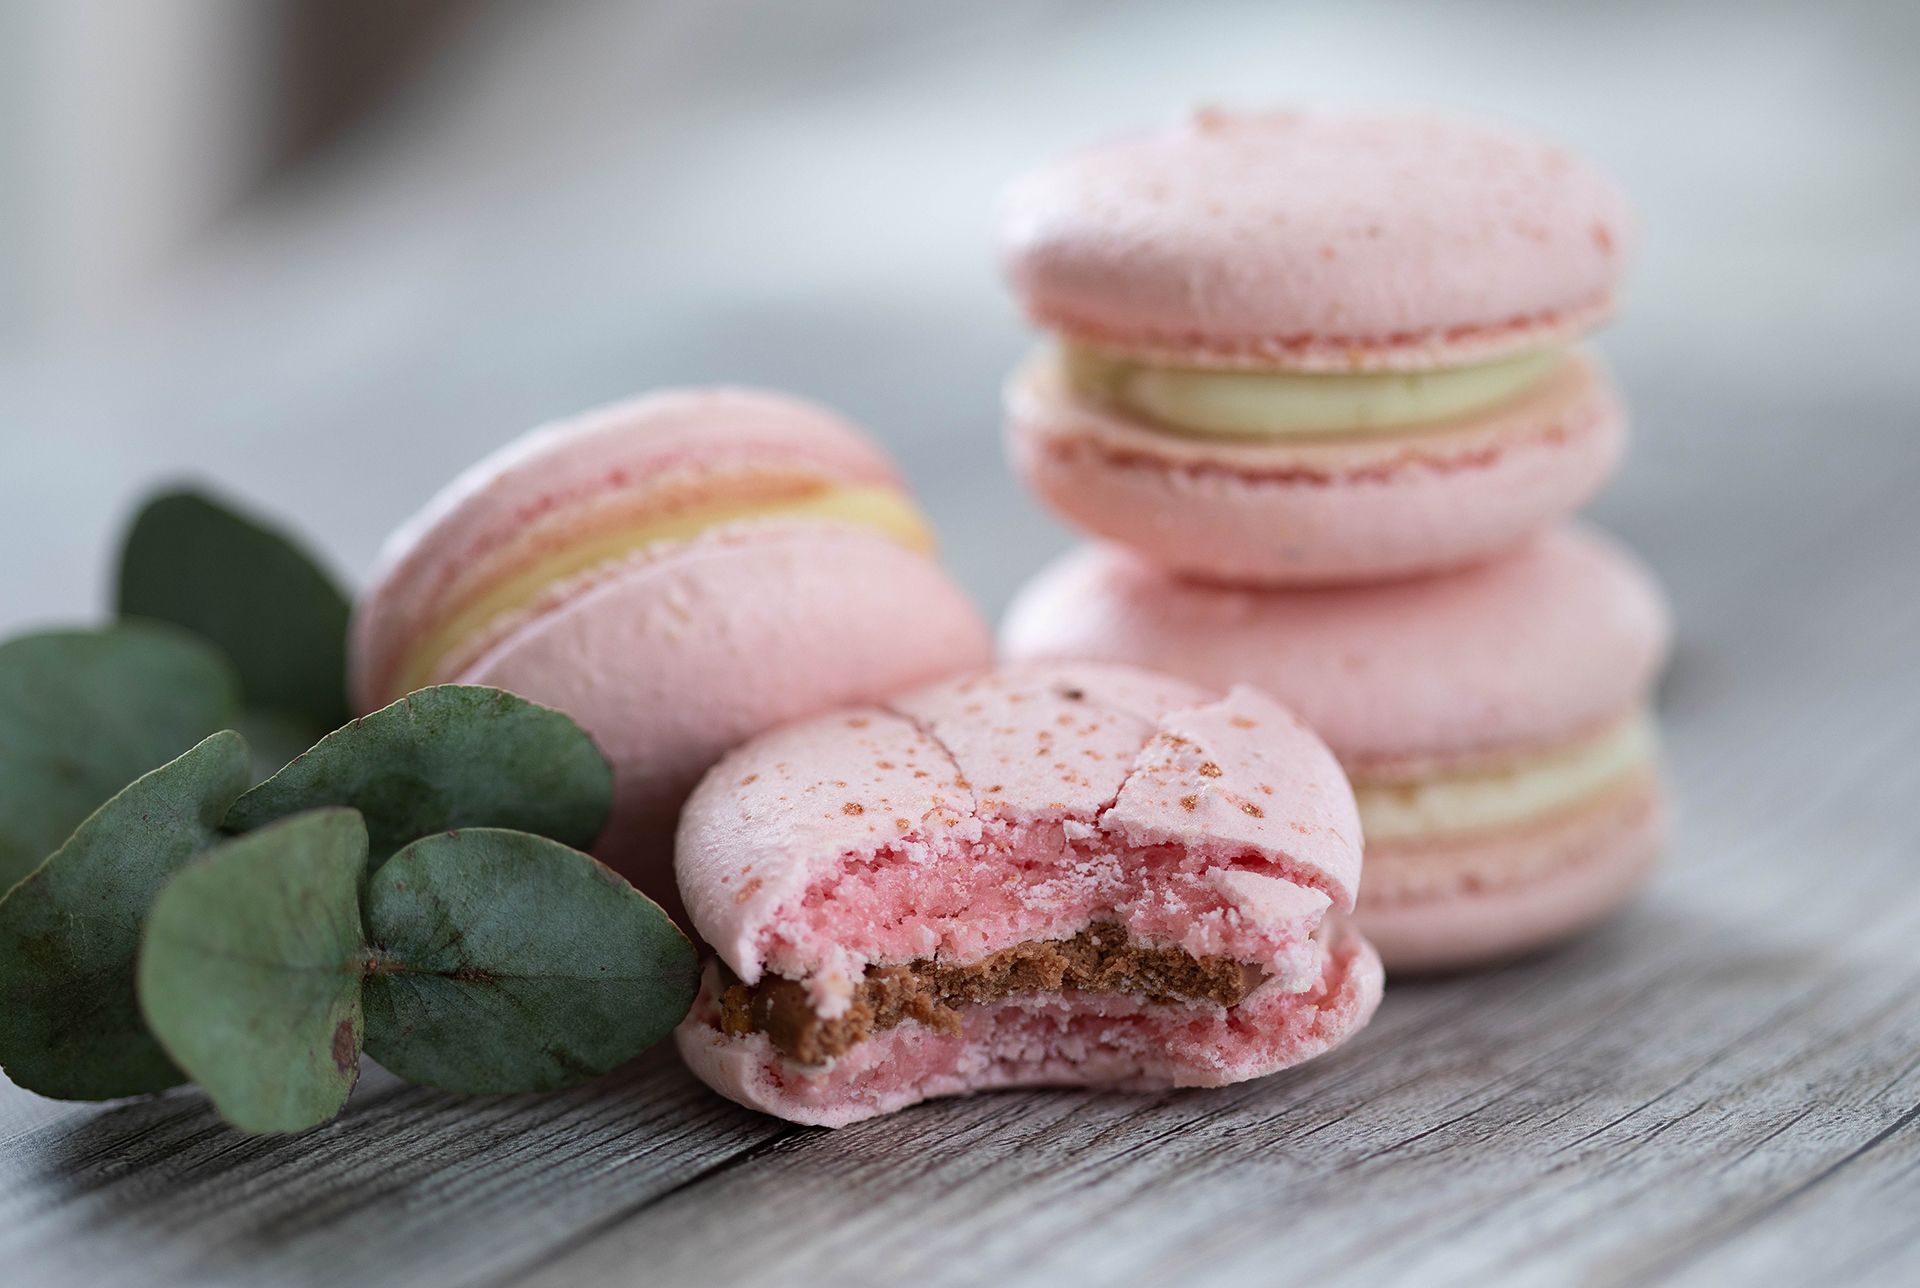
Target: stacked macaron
(1315, 381)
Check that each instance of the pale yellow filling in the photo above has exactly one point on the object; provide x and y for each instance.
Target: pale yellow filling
(882, 508)
(1533, 788)
(1270, 404)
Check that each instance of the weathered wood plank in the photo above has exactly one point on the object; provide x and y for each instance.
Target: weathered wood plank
(408, 1184)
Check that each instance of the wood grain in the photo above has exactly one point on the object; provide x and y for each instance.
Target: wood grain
(1722, 1086)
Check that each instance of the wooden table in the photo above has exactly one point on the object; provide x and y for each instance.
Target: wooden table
(1722, 1086)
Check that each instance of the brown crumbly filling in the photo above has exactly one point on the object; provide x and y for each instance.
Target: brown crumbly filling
(1097, 960)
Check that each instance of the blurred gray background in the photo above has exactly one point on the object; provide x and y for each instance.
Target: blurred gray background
(325, 252)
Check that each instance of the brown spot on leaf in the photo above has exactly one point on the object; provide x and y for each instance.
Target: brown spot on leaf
(1189, 803)
(746, 891)
(853, 807)
(749, 780)
(1241, 722)
(345, 1057)
(1209, 770)
(857, 722)
(1249, 807)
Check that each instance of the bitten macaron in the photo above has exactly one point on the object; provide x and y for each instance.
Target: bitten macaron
(1308, 348)
(1495, 722)
(1045, 875)
(678, 572)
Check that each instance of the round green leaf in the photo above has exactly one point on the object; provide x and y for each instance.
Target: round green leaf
(507, 962)
(70, 932)
(250, 971)
(443, 758)
(84, 713)
(250, 589)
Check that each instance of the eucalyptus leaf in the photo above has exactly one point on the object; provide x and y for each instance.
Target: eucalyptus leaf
(250, 972)
(84, 713)
(251, 590)
(70, 932)
(507, 962)
(455, 756)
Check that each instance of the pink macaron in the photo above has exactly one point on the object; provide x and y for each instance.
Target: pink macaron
(1303, 348)
(1495, 722)
(678, 572)
(1046, 875)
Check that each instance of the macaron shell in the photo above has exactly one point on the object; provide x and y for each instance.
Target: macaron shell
(791, 803)
(1119, 756)
(1043, 742)
(1245, 776)
(676, 661)
(1479, 899)
(1317, 241)
(631, 454)
(1361, 507)
(1098, 1041)
(1153, 761)
(1558, 637)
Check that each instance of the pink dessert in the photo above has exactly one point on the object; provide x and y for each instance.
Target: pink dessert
(1494, 722)
(1299, 348)
(677, 572)
(1044, 875)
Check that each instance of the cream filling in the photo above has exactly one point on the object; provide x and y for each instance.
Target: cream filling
(1533, 788)
(1270, 404)
(884, 509)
